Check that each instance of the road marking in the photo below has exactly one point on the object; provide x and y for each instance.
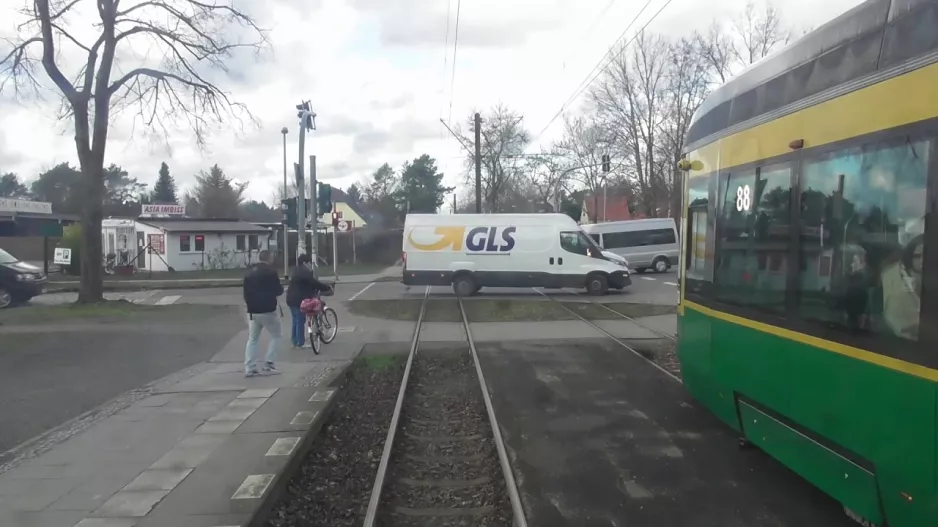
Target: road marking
(304, 418)
(647, 278)
(253, 487)
(362, 291)
(346, 329)
(167, 300)
(321, 396)
(283, 446)
(670, 283)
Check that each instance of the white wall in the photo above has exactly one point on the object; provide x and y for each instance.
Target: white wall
(220, 251)
(152, 261)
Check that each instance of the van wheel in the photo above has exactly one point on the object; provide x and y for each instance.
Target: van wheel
(596, 284)
(464, 285)
(661, 264)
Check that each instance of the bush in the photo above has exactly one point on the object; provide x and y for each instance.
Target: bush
(71, 238)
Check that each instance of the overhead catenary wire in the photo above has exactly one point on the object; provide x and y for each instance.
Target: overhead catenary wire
(452, 83)
(590, 77)
(588, 31)
(449, 6)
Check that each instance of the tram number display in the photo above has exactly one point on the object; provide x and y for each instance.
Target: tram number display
(743, 198)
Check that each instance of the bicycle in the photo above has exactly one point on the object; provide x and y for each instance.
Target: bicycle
(318, 323)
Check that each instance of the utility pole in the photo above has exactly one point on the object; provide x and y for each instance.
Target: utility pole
(307, 122)
(286, 242)
(478, 156)
(454, 203)
(314, 212)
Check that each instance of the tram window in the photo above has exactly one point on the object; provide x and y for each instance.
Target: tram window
(754, 226)
(862, 228)
(698, 260)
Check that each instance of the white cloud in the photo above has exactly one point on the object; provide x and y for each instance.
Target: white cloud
(374, 72)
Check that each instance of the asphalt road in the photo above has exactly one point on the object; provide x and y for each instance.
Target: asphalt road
(598, 436)
(50, 377)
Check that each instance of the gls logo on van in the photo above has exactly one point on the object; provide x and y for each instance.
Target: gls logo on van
(478, 240)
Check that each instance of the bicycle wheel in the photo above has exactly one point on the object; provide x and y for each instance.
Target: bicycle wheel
(328, 325)
(312, 333)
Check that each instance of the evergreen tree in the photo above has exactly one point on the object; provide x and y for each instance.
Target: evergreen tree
(164, 192)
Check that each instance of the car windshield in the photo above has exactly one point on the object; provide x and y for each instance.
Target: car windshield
(6, 258)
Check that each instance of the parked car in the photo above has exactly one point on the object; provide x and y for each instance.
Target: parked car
(19, 281)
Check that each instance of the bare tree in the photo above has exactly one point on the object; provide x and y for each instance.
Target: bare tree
(503, 140)
(717, 50)
(628, 103)
(758, 33)
(168, 85)
(584, 143)
(687, 85)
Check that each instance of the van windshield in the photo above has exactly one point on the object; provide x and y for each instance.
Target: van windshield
(590, 242)
(7, 258)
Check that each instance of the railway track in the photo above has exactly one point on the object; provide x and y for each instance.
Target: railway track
(618, 340)
(444, 462)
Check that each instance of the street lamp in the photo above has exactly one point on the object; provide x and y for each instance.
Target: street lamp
(286, 246)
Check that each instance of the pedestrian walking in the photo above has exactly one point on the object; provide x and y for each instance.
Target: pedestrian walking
(262, 288)
(303, 285)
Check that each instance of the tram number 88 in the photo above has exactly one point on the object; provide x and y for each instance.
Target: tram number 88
(743, 198)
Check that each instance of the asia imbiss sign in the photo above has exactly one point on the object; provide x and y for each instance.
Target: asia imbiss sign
(167, 210)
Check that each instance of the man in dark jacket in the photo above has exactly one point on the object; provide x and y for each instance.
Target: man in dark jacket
(303, 285)
(261, 289)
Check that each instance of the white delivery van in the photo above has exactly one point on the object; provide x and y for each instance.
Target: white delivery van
(645, 244)
(472, 251)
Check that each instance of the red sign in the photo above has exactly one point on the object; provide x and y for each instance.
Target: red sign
(174, 210)
(156, 244)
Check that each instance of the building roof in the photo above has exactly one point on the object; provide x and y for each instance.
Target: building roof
(616, 207)
(202, 225)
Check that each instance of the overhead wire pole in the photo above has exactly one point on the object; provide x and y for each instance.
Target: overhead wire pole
(286, 244)
(478, 158)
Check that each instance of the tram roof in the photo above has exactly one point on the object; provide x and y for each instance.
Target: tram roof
(873, 36)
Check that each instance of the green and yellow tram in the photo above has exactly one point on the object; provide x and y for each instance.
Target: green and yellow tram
(809, 291)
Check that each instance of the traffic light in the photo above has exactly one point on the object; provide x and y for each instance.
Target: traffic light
(324, 198)
(335, 218)
(288, 206)
(607, 165)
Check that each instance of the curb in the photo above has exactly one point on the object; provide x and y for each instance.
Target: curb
(278, 486)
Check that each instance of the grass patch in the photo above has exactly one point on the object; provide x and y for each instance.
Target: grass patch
(380, 362)
(108, 311)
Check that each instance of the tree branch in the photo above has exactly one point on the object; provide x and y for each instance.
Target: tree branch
(48, 52)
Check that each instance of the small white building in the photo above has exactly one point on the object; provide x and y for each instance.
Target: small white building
(185, 244)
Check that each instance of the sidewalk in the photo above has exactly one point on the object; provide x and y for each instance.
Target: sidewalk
(201, 450)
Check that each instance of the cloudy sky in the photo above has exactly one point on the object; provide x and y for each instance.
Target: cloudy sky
(380, 75)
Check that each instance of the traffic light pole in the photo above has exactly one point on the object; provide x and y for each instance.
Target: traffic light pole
(314, 213)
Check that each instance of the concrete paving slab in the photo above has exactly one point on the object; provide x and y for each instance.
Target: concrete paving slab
(625, 329)
(39, 519)
(210, 487)
(94, 491)
(230, 377)
(441, 332)
(598, 435)
(130, 503)
(107, 522)
(159, 479)
(559, 329)
(666, 324)
(280, 412)
(37, 494)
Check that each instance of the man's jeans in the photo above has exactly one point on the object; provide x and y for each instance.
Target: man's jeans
(299, 326)
(257, 322)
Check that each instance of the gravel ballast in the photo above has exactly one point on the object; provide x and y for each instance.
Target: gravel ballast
(444, 468)
(333, 485)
